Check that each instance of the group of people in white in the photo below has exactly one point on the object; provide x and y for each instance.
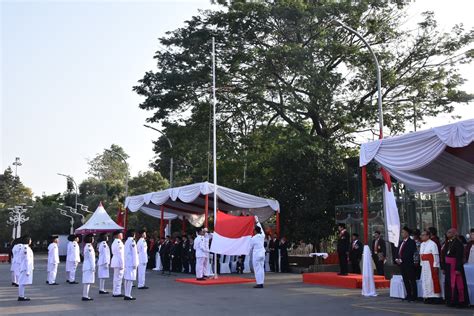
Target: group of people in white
(128, 261)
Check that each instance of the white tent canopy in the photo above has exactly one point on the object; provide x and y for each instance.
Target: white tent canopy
(99, 222)
(189, 201)
(430, 160)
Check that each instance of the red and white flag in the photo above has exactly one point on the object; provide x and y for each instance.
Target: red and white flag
(232, 234)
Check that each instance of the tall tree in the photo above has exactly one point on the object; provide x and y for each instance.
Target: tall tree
(108, 166)
(294, 90)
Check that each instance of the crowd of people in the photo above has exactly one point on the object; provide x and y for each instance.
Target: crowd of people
(128, 259)
(420, 255)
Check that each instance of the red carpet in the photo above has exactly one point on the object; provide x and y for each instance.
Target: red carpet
(351, 281)
(219, 281)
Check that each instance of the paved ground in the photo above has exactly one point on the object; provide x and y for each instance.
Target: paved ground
(284, 294)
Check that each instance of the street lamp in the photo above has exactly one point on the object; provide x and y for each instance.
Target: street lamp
(64, 213)
(75, 212)
(75, 185)
(171, 147)
(377, 69)
(17, 217)
(17, 164)
(84, 208)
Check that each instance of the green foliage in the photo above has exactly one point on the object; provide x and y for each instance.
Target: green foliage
(108, 166)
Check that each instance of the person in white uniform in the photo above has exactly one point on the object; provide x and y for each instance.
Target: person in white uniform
(429, 259)
(118, 263)
(88, 267)
(104, 262)
(72, 258)
(258, 254)
(15, 262)
(201, 246)
(142, 249)
(26, 260)
(53, 260)
(131, 264)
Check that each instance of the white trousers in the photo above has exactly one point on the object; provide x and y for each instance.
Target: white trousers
(72, 274)
(259, 268)
(101, 284)
(85, 290)
(200, 267)
(141, 274)
(118, 277)
(14, 278)
(21, 290)
(128, 288)
(52, 273)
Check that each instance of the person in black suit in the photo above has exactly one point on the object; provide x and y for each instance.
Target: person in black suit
(185, 254)
(175, 252)
(165, 252)
(343, 247)
(285, 267)
(273, 247)
(379, 252)
(406, 252)
(355, 254)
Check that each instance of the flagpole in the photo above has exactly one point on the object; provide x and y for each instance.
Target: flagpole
(214, 140)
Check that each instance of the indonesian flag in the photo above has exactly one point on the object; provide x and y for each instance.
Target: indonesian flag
(391, 210)
(232, 234)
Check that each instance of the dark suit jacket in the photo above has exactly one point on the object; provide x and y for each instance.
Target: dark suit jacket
(408, 252)
(343, 242)
(381, 247)
(355, 254)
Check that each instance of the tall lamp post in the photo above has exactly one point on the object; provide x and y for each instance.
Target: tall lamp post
(64, 213)
(17, 217)
(75, 212)
(126, 181)
(75, 185)
(171, 147)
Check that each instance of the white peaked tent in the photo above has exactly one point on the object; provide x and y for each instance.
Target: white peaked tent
(99, 222)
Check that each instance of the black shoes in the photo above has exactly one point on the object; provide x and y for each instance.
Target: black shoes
(74, 282)
(14, 284)
(129, 298)
(103, 292)
(258, 286)
(87, 299)
(23, 299)
(52, 283)
(118, 295)
(342, 274)
(143, 288)
(200, 279)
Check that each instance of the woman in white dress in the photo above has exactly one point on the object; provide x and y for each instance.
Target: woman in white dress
(88, 267)
(26, 268)
(104, 262)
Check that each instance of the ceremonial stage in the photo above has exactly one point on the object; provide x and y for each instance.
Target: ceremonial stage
(221, 280)
(351, 281)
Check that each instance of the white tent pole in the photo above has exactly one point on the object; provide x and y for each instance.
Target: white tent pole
(214, 139)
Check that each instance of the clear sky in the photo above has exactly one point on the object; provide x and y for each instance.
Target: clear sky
(67, 71)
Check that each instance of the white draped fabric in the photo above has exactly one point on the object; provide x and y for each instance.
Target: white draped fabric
(189, 201)
(420, 161)
(391, 214)
(368, 282)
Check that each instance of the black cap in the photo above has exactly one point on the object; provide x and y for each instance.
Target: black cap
(71, 237)
(117, 232)
(141, 231)
(88, 238)
(130, 233)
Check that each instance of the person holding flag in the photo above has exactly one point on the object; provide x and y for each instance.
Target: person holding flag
(258, 254)
(201, 245)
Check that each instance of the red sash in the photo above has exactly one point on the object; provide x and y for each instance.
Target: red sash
(429, 257)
